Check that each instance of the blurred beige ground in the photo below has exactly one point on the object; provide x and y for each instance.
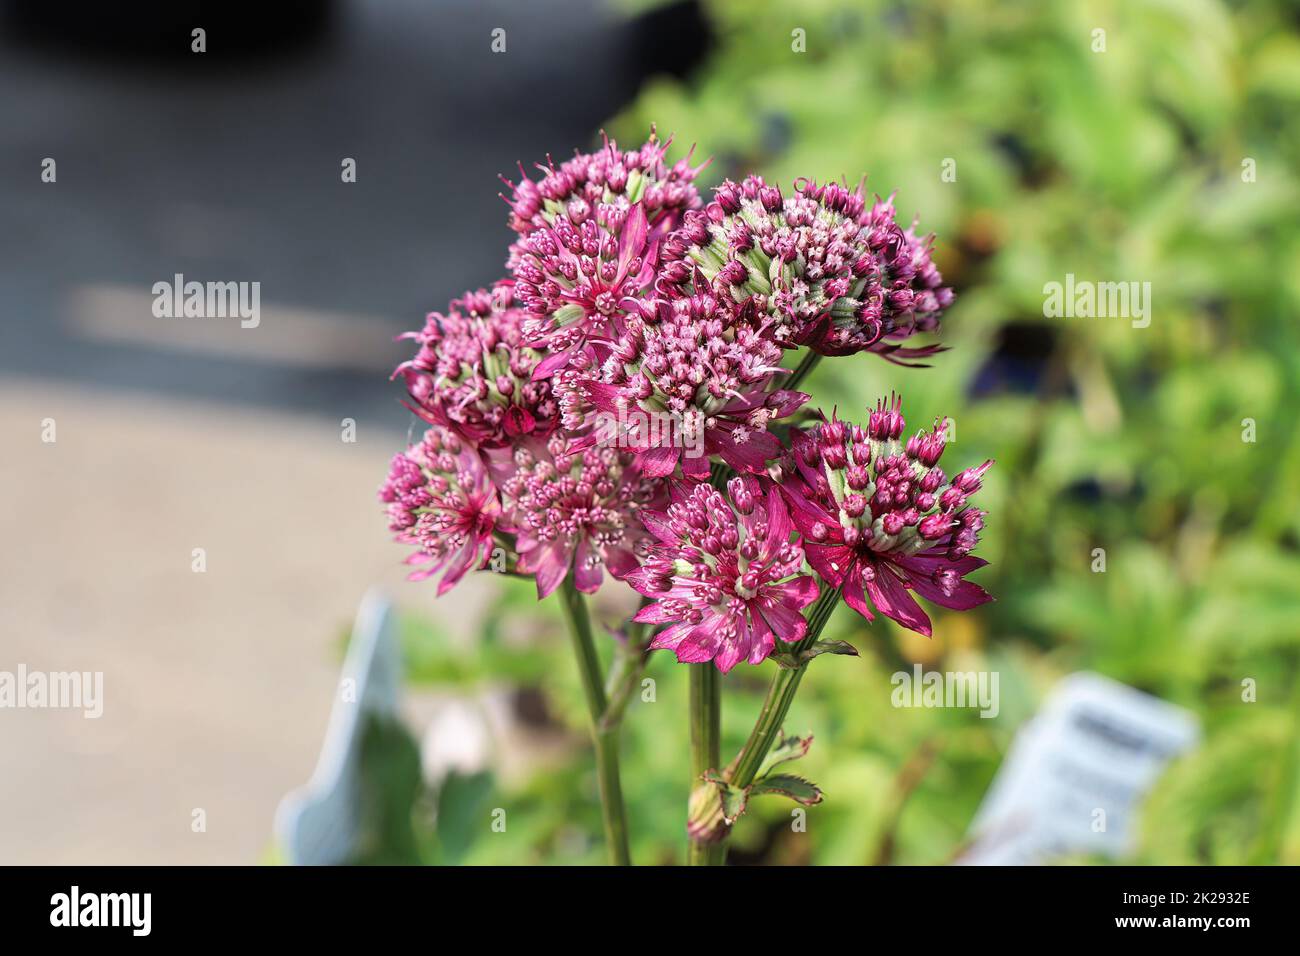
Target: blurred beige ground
(217, 686)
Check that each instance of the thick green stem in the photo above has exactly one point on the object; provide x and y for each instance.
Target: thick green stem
(605, 738)
(781, 694)
(775, 708)
(706, 748)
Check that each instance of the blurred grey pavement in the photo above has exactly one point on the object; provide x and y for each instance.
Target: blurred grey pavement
(174, 434)
(225, 165)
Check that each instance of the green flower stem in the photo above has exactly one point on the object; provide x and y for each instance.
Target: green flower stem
(706, 748)
(605, 738)
(706, 721)
(775, 707)
(803, 370)
(781, 693)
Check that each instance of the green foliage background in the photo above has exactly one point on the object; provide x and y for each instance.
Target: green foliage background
(1119, 165)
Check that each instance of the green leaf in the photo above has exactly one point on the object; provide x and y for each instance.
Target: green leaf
(733, 799)
(788, 785)
(786, 660)
(790, 660)
(463, 807)
(390, 787)
(784, 750)
(829, 647)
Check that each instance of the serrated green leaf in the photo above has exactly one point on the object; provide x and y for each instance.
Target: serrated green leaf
(788, 785)
(784, 750)
(733, 798)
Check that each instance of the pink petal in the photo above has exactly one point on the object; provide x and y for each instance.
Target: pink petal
(927, 562)
(658, 462)
(654, 614)
(669, 637)
(965, 595)
(695, 467)
(656, 522)
(727, 658)
(550, 568)
(632, 241)
(700, 643)
(461, 563)
(831, 561)
(586, 574)
(604, 397)
(791, 401)
(853, 592)
(796, 594)
(761, 642)
(786, 624)
(804, 513)
(750, 455)
(892, 600)
(779, 524)
(620, 562)
(552, 364)
(519, 421)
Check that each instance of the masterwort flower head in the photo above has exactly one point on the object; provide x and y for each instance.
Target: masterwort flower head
(439, 499)
(880, 519)
(589, 234)
(572, 510)
(577, 188)
(724, 574)
(697, 371)
(824, 267)
(473, 373)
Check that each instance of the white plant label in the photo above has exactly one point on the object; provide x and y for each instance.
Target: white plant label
(1075, 776)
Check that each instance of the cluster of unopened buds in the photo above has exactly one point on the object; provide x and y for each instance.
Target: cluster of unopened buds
(739, 514)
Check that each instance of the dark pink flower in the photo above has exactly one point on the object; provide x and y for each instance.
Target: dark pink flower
(589, 233)
(724, 575)
(823, 267)
(572, 510)
(573, 282)
(879, 518)
(473, 373)
(440, 500)
(608, 176)
(690, 377)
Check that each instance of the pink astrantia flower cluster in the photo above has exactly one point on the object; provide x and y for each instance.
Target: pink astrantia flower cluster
(725, 575)
(824, 268)
(726, 501)
(879, 519)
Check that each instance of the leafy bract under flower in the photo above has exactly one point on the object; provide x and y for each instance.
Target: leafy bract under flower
(879, 519)
(724, 574)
